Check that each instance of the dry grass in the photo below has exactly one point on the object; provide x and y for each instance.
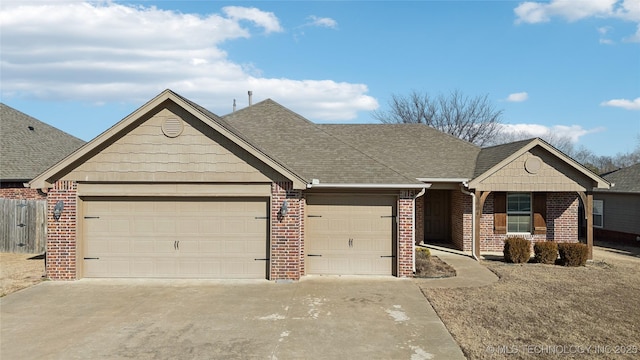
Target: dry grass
(534, 306)
(19, 271)
(432, 267)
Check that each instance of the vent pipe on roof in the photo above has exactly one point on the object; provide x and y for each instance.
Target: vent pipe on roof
(234, 105)
(250, 95)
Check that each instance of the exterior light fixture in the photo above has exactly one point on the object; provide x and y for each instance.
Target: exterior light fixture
(57, 210)
(283, 210)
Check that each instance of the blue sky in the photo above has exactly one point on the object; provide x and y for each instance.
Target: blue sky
(568, 67)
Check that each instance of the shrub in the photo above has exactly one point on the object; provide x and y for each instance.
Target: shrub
(545, 252)
(517, 250)
(573, 254)
(423, 251)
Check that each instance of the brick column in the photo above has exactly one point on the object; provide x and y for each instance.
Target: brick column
(61, 234)
(405, 234)
(420, 218)
(287, 256)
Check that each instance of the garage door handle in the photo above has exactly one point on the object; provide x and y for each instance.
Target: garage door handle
(313, 255)
(388, 256)
(90, 258)
(388, 216)
(265, 259)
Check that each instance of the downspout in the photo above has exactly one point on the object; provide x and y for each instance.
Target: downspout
(473, 220)
(413, 228)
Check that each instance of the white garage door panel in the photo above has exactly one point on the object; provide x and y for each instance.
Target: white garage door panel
(175, 239)
(350, 234)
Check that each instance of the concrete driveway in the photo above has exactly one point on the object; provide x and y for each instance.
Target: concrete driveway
(316, 318)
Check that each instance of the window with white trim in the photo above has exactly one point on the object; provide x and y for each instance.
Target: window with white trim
(598, 213)
(518, 212)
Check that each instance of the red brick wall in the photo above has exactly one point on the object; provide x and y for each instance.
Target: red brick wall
(562, 222)
(287, 255)
(61, 234)
(405, 234)
(562, 216)
(21, 193)
(461, 220)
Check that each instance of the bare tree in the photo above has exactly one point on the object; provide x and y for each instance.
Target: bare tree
(560, 142)
(472, 119)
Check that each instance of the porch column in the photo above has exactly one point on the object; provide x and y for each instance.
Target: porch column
(589, 211)
(587, 200)
(481, 196)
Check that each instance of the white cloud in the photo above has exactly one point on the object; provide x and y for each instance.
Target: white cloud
(322, 22)
(623, 103)
(524, 131)
(518, 97)
(267, 20)
(100, 52)
(531, 12)
(536, 12)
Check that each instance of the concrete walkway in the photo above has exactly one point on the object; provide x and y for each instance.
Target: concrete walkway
(469, 272)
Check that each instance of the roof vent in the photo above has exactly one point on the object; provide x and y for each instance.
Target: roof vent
(30, 127)
(172, 127)
(533, 164)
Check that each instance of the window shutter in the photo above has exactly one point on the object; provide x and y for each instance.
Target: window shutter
(539, 213)
(499, 213)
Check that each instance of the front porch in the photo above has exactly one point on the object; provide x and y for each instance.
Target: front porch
(444, 217)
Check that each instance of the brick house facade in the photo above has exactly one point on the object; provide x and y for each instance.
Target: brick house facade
(176, 191)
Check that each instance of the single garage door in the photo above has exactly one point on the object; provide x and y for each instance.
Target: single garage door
(349, 234)
(175, 238)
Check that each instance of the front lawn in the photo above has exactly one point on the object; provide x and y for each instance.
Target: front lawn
(538, 310)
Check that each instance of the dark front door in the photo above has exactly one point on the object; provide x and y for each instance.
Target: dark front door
(437, 216)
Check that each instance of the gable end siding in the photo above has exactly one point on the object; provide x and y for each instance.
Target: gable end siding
(198, 154)
(553, 175)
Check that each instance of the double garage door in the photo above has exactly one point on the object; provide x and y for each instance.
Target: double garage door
(350, 235)
(175, 238)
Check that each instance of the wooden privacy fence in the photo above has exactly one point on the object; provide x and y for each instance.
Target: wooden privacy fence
(23, 226)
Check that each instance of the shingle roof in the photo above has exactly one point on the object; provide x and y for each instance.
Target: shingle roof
(28, 146)
(491, 156)
(416, 150)
(626, 179)
(309, 150)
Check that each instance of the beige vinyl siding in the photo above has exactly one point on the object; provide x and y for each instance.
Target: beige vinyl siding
(553, 175)
(198, 154)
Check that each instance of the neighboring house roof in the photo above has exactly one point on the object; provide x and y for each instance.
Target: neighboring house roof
(626, 180)
(28, 146)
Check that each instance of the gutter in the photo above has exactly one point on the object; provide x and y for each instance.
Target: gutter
(473, 220)
(413, 229)
(368, 186)
(440, 180)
